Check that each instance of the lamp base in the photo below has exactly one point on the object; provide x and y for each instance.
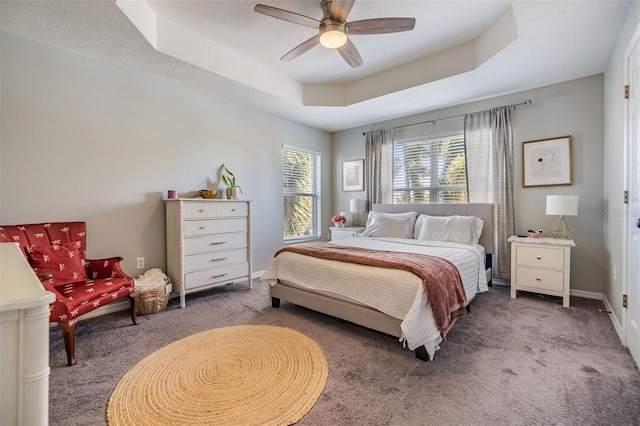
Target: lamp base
(561, 230)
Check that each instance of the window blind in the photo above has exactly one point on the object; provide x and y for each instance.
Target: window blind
(430, 170)
(301, 187)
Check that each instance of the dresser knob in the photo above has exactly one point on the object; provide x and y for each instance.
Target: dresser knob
(233, 210)
(538, 257)
(201, 228)
(200, 210)
(538, 278)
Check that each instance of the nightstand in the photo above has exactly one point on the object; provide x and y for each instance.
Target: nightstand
(346, 232)
(541, 265)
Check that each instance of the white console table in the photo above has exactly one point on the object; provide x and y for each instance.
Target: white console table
(24, 339)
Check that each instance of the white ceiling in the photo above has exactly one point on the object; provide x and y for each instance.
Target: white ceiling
(459, 51)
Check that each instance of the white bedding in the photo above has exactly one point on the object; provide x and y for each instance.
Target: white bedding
(397, 293)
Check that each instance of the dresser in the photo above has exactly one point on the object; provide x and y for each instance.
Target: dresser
(541, 265)
(208, 243)
(24, 339)
(345, 232)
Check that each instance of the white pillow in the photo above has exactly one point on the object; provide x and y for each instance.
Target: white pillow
(399, 225)
(453, 229)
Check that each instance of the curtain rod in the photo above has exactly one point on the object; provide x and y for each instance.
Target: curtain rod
(525, 103)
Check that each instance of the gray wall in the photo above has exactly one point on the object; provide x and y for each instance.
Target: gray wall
(614, 162)
(89, 141)
(574, 108)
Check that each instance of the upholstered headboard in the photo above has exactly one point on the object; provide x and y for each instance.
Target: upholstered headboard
(482, 210)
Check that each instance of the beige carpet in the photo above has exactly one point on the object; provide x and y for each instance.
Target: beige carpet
(240, 375)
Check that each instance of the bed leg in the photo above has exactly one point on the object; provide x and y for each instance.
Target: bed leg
(422, 354)
(275, 302)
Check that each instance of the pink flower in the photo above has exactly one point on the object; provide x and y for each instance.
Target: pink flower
(338, 219)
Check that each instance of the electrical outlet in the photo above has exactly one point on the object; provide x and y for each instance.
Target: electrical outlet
(140, 263)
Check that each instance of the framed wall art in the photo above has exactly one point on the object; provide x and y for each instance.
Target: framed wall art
(547, 162)
(353, 175)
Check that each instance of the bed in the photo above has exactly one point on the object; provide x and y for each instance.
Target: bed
(394, 301)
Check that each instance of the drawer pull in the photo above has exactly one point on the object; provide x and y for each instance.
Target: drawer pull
(538, 279)
(538, 257)
(201, 228)
(219, 275)
(217, 242)
(200, 210)
(217, 259)
(233, 210)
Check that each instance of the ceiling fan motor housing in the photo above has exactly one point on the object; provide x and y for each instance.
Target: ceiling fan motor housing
(332, 34)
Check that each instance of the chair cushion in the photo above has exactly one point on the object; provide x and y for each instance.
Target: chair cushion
(77, 298)
(63, 261)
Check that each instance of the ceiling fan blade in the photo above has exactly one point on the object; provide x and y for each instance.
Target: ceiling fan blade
(380, 26)
(302, 48)
(286, 15)
(340, 10)
(350, 54)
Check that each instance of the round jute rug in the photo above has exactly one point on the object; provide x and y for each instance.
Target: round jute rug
(241, 375)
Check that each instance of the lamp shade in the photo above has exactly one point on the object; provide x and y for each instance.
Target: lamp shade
(357, 205)
(562, 205)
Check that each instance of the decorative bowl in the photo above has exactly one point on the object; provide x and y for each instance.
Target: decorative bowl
(208, 193)
(533, 234)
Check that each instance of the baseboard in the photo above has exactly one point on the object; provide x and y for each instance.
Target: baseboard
(586, 294)
(617, 325)
(257, 275)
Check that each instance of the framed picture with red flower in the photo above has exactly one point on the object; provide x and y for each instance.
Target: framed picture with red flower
(547, 162)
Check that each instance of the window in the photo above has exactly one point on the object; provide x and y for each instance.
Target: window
(301, 181)
(430, 170)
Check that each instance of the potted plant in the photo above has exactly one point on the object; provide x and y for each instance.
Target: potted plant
(229, 179)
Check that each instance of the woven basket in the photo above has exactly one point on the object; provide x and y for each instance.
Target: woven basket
(153, 299)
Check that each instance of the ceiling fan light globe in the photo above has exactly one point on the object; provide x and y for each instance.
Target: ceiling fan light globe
(333, 39)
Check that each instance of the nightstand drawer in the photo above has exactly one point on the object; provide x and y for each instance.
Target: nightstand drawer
(543, 279)
(540, 257)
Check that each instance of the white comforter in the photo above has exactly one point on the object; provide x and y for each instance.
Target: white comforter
(397, 293)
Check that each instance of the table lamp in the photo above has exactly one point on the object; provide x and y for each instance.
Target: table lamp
(356, 206)
(562, 205)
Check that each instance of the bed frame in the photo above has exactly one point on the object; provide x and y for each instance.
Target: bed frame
(372, 318)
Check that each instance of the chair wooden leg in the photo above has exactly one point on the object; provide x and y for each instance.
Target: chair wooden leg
(133, 301)
(68, 332)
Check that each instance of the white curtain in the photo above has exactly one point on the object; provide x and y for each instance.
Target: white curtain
(489, 145)
(379, 166)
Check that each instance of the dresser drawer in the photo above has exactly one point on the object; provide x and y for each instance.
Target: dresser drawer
(219, 209)
(194, 228)
(542, 257)
(196, 262)
(215, 242)
(540, 278)
(216, 275)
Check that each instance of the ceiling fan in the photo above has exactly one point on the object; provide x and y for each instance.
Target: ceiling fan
(334, 30)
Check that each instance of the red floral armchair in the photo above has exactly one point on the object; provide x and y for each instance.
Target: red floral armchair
(57, 254)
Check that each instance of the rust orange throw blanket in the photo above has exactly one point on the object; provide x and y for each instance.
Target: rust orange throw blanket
(440, 277)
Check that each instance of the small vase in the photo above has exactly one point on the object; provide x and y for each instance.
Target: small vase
(339, 225)
(232, 193)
